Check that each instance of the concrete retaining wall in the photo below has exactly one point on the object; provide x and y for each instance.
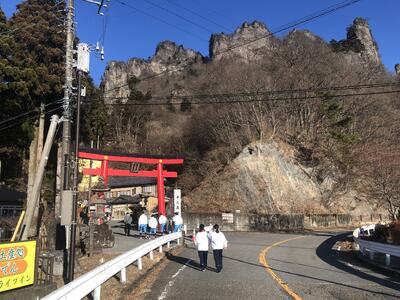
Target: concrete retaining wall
(259, 222)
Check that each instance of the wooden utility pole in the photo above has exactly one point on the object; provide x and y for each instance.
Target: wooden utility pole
(32, 203)
(39, 148)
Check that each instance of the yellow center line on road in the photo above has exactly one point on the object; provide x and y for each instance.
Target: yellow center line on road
(263, 260)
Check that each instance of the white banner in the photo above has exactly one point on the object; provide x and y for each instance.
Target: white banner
(177, 201)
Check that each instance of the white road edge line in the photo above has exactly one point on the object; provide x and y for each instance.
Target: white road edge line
(172, 282)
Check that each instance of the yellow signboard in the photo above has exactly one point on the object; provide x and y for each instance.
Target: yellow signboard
(17, 265)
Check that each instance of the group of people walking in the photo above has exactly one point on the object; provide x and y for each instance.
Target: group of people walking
(145, 223)
(214, 238)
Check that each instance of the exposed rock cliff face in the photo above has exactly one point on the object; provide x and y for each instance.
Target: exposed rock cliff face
(249, 42)
(168, 57)
(360, 46)
(267, 178)
(363, 33)
(255, 36)
(397, 69)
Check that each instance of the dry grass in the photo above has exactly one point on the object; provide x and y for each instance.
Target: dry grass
(137, 281)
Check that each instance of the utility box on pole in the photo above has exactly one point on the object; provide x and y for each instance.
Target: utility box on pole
(66, 208)
(83, 58)
(177, 201)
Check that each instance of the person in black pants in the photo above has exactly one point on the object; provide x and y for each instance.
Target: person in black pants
(202, 242)
(127, 223)
(218, 243)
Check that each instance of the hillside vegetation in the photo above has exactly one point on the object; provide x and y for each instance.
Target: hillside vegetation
(318, 151)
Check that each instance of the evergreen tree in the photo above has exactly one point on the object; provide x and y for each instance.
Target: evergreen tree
(16, 85)
(38, 27)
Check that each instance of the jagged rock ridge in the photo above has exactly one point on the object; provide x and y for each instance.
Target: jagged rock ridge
(168, 57)
(245, 43)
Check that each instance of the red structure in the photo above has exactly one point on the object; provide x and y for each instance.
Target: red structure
(157, 161)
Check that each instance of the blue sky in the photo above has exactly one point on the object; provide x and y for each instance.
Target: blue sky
(133, 32)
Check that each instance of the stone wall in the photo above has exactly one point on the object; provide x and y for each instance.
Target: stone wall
(261, 222)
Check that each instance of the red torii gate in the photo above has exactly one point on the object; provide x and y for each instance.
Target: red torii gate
(158, 160)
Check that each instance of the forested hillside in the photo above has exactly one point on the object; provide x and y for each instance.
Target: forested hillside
(317, 114)
(332, 106)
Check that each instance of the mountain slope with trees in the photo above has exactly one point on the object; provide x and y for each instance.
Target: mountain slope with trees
(320, 100)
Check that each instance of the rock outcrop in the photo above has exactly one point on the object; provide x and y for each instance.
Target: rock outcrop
(397, 69)
(168, 57)
(249, 42)
(244, 42)
(267, 178)
(360, 46)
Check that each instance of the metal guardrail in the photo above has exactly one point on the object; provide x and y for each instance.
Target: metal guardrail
(375, 247)
(91, 282)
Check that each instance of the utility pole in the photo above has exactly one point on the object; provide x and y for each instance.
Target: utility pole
(82, 66)
(66, 136)
(71, 265)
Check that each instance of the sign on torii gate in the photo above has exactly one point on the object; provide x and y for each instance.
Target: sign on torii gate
(157, 160)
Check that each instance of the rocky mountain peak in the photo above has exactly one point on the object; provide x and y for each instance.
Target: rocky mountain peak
(169, 52)
(227, 45)
(359, 46)
(361, 31)
(168, 57)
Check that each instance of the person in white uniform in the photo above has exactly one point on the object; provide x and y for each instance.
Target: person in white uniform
(218, 243)
(177, 219)
(142, 225)
(153, 226)
(162, 220)
(202, 243)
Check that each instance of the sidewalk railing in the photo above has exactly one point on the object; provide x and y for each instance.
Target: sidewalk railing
(91, 282)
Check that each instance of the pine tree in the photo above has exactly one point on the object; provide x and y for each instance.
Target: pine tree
(39, 34)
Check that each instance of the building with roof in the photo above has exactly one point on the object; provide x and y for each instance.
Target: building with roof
(11, 202)
(130, 194)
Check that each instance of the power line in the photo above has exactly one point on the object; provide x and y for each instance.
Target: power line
(197, 14)
(159, 19)
(291, 98)
(28, 118)
(179, 16)
(29, 112)
(309, 18)
(272, 92)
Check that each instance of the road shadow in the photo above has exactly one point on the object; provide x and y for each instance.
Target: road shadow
(184, 261)
(329, 256)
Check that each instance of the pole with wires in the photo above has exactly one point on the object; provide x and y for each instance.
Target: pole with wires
(71, 265)
(66, 133)
(82, 66)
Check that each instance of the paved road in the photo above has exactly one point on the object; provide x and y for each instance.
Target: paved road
(123, 243)
(306, 266)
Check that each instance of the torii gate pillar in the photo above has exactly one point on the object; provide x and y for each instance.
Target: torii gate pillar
(160, 189)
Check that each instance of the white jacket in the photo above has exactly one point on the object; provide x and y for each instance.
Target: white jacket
(143, 219)
(177, 220)
(202, 241)
(162, 219)
(217, 240)
(153, 222)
